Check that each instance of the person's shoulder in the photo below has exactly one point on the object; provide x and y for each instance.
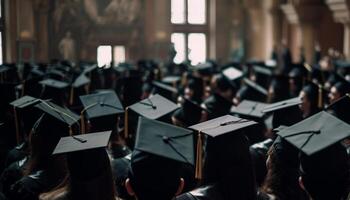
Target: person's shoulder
(208, 192)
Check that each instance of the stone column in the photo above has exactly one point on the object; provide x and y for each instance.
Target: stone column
(307, 16)
(341, 14)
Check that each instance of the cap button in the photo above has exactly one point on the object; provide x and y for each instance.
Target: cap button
(166, 139)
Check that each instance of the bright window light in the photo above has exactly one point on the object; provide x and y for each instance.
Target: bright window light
(178, 39)
(178, 11)
(104, 55)
(196, 11)
(197, 48)
(119, 54)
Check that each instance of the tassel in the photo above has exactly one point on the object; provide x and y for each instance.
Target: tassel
(126, 124)
(23, 87)
(16, 125)
(70, 131)
(82, 119)
(82, 122)
(199, 160)
(320, 97)
(71, 96)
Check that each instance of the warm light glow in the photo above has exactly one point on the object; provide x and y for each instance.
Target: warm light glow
(119, 54)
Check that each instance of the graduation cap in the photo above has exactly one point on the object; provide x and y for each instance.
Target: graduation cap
(100, 105)
(205, 69)
(82, 142)
(281, 105)
(22, 103)
(171, 80)
(190, 113)
(87, 158)
(62, 115)
(232, 73)
(164, 90)
(250, 109)
(56, 74)
(255, 86)
(263, 70)
(214, 128)
(153, 107)
(89, 68)
(165, 140)
(80, 81)
(54, 83)
(339, 108)
(316, 132)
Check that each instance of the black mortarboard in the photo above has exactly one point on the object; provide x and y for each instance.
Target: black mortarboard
(205, 69)
(214, 128)
(263, 70)
(99, 105)
(339, 108)
(154, 107)
(64, 116)
(256, 86)
(79, 82)
(21, 104)
(165, 140)
(87, 158)
(82, 142)
(316, 132)
(55, 74)
(171, 80)
(232, 73)
(54, 83)
(165, 90)
(250, 109)
(190, 113)
(222, 125)
(89, 68)
(281, 105)
(24, 102)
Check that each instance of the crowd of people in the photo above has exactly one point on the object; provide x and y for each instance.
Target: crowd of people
(247, 130)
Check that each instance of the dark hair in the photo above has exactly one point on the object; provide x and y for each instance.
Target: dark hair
(154, 177)
(228, 164)
(196, 85)
(342, 88)
(43, 139)
(221, 83)
(325, 174)
(92, 179)
(282, 179)
(311, 92)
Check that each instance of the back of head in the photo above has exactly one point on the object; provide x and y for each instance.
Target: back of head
(325, 174)
(90, 175)
(154, 177)
(228, 163)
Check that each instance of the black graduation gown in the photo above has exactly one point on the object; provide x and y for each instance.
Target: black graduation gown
(217, 106)
(12, 174)
(120, 168)
(30, 187)
(209, 192)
